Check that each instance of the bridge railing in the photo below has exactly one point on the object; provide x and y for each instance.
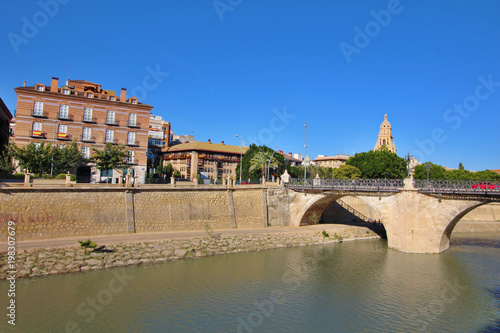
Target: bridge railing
(371, 185)
(457, 186)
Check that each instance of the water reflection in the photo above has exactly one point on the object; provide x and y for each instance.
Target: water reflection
(351, 286)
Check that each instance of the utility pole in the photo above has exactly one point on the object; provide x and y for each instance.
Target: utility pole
(241, 155)
(305, 157)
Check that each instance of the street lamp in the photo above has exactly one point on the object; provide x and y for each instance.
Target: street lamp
(305, 157)
(241, 155)
(428, 167)
(408, 160)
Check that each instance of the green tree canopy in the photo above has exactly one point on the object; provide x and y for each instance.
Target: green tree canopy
(379, 164)
(253, 163)
(435, 171)
(36, 159)
(110, 158)
(347, 171)
(439, 172)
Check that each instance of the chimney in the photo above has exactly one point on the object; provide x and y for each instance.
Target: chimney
(123, 95)
(54, 85)
(290, 154)
(24, 84)
(222, 142)
(209, 141)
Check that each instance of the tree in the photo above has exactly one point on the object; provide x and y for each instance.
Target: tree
(6, 162)
(67, 158)
(35, 158)
(379, 164)
(110, 158)
(256, 173)
(435, 171)
(461, 166)
(347, 171)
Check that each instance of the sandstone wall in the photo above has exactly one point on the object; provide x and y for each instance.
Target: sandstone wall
(57, 212)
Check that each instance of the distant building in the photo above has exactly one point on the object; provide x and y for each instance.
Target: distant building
(331, 161)
(82, 111)
(178, 139)
(385, 137)
(290, 159)
(214, 160)
(5, 118)
(158, 136)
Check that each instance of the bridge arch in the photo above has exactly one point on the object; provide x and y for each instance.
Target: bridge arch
(414, 222)
(306, 207)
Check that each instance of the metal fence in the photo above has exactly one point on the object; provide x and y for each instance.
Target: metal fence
(363, 185)
(486, 187)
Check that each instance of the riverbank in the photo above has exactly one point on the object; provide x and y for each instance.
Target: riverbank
(124, 250)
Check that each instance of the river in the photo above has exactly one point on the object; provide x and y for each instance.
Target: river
(359, 286)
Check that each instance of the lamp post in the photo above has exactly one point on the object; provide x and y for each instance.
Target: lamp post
(305, 156)
(408, 160)
(241, 155)
(428, 167)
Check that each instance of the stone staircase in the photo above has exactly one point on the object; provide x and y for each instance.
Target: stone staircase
(354, 211)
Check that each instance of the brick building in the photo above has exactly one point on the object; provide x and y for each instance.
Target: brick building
(5, 117)
(82, 111)
(216, 160)
(158, 136)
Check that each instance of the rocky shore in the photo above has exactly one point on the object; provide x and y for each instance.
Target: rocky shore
(40, 262)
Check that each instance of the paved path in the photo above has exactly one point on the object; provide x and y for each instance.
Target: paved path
(154, 236)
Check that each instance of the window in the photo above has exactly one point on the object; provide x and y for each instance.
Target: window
(134, 101)
(86, 152)
(112, 98)
(87, 114)
(109, 135)
(40, 88)
(37, 145)
(86, 133)
(65, 91)
(63, 129)
(132, 119)
(131, 138)
(130, 156)
(110, 117)
(38, 109)
(89, 95)
(61, 146)
(37, 127)
(63, 111)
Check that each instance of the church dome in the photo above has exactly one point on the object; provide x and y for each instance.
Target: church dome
(385, 123)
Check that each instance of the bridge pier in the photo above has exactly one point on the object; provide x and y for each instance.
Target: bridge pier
(419, 223)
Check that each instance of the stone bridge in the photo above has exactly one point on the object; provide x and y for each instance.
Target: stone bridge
(418, 217)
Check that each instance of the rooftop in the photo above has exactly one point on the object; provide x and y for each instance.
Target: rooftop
(206, 146)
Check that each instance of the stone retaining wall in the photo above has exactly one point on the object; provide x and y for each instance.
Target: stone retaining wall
(40, 262)
(55, 212)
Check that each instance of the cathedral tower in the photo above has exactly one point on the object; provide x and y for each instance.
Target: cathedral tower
(385, 136)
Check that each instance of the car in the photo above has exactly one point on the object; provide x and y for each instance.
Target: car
(182, 180)
(244, 183)
(485, 185)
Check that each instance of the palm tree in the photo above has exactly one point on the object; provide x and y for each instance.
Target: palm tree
(258, 162)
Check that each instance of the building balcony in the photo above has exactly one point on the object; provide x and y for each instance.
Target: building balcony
(88, 139)
(92, 120)
(65, 117)
(38, 134)
(134, 124)
(131, 161)
(112, 122)
(112, 141)
(133, 143)
(39, 114)
(63, 136)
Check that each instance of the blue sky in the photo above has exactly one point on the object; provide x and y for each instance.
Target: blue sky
(261, 69)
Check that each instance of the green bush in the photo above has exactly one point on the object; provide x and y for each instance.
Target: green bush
(63, 176)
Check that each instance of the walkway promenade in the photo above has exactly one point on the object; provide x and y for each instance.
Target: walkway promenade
(158, 236)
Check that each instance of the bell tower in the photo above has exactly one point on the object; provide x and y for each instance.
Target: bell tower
(385, 137)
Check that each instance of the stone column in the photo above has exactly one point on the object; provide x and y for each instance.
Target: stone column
(68, 179)
(27, 180)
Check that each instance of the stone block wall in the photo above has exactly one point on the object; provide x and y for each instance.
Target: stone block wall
(42, 214)
(180, 210)
(248, 208)
(56, 212)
